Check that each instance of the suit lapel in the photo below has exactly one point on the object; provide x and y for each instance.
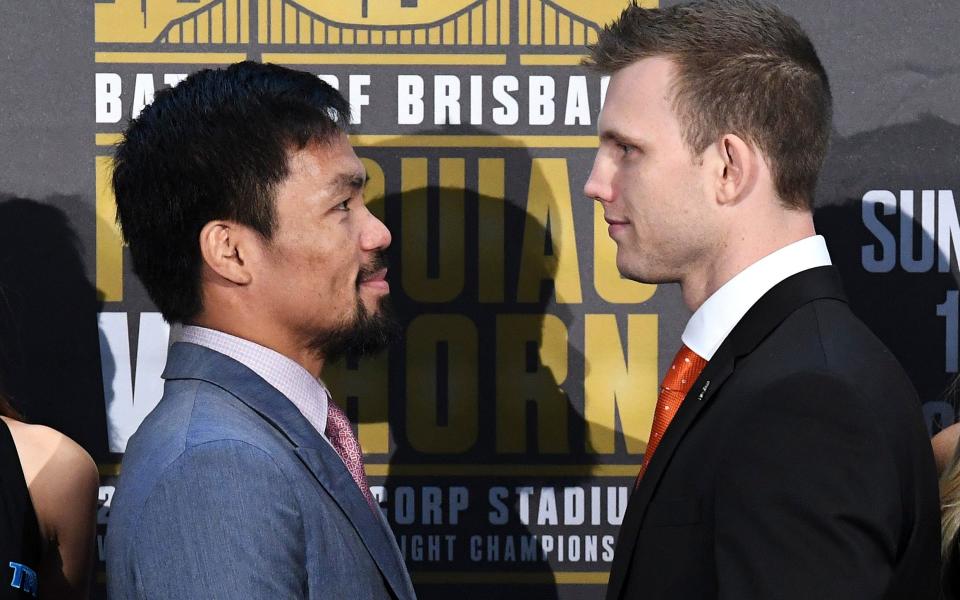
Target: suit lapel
(709, 381)
(372, 530)
(190, 361)
(762, 318)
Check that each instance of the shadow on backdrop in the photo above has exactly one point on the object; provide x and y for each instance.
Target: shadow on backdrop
(472, 278)
(49, 340)
(891, 264)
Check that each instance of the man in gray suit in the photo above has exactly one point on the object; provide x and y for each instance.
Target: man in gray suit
(242, 203)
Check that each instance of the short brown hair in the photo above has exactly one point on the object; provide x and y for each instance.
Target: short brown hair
(742, 67)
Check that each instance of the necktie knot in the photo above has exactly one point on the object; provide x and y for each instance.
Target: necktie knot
(683, 371)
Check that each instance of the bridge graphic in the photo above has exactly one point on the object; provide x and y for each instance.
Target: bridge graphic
(480, 23)
(468, 23)
(221, 22)
(546, 23)
(143, 21)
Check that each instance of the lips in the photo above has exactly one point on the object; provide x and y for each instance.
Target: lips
(615, 226)
(380, 275)
(613, 221)
(376, 279)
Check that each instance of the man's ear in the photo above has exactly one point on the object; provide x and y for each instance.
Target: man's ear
(226, 248)
(738, 168)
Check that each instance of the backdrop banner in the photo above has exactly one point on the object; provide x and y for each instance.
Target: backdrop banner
(504, 432)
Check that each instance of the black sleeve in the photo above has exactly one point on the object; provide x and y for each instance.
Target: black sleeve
(808, 501)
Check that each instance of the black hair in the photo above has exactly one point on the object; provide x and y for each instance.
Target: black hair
(213, 147)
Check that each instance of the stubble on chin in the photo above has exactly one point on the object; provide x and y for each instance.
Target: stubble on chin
(363, 334)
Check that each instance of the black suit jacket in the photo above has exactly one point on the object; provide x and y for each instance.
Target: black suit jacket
(797, 467)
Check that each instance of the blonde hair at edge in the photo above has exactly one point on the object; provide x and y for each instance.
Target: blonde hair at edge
(950, 506)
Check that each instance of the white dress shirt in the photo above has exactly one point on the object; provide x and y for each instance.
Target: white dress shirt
(720, 313)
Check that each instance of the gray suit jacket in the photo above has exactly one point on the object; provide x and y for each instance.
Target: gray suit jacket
(228, 492)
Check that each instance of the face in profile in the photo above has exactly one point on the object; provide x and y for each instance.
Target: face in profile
(652, 189)
(324, 271)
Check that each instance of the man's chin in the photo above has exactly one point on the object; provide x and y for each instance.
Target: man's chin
(372, 330)
(642, 275)
(375, 304)
(631, 271)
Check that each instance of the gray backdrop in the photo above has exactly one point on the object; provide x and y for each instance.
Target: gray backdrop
(85, 361)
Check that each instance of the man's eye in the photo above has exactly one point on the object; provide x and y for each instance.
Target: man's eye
(625, 148)
(345, 205)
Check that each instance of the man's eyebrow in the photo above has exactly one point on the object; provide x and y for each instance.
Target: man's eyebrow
(611, 135)
(354, 181)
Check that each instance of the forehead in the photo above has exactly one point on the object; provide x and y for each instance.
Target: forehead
(328, 164)
(640, 95)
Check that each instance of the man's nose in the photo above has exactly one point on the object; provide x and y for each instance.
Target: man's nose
(597, 186)
(375, 235)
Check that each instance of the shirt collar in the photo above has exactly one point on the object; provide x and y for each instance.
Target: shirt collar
(306, 392)
(720, 313)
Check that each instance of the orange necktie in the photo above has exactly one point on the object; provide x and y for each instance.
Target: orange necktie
(684, 370)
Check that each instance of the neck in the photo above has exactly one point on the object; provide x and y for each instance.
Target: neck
(744, 244)
(272, 336)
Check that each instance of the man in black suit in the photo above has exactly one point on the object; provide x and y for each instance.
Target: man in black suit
(788, 457)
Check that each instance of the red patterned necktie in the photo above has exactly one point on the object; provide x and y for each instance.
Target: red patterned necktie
(345, 443)
(684, 370)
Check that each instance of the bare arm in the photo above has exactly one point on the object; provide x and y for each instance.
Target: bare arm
(62, 481)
